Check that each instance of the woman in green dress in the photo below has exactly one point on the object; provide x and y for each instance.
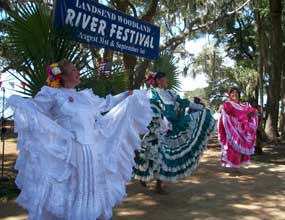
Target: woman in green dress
(175, 141)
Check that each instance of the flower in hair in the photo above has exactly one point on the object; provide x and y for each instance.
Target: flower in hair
(54, 75)
(56, 71)
(151, 78)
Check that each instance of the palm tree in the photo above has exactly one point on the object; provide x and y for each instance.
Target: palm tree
(167, 63)
(114, 84)
(31, 42)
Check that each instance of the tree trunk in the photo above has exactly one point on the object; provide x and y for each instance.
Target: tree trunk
(260, 57)
(135, 78)
(282, 126)
(282, 115)
(259, 92)
(275, 76)
(140, 73)
(130, 63)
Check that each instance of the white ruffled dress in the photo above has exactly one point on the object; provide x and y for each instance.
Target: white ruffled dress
(73, 162)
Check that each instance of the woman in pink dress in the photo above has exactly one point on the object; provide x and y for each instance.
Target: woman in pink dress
(237, 131)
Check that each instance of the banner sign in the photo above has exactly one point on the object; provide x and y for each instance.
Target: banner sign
(98, 25)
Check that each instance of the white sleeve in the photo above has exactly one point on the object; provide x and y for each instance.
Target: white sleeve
(44, 100)
(195, 106)
(45, 161)
(107, 103)
(111, 101)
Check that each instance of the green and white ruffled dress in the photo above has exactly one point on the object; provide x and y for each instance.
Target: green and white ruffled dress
(175, 141)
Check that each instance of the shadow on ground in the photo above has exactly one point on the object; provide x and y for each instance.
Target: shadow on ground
(211, 193)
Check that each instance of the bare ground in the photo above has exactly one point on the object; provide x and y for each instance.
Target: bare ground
(211, 193)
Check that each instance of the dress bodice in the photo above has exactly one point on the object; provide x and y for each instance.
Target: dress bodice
(166, 96)
(77, 112)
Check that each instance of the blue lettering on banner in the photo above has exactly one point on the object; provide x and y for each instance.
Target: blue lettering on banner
(98, 25)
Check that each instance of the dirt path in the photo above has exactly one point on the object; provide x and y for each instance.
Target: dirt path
(209, 194)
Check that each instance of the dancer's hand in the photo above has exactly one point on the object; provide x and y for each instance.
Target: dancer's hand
(220, 109)
(250, 115)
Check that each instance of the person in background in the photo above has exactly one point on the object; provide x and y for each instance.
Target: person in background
(237, 131)
(195, 106)
(176, 140)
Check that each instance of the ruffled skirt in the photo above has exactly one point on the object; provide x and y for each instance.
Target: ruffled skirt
(232, 157)
(170, 157)
(62, 179)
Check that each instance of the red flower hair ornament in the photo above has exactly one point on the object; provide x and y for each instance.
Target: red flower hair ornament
(151, 78)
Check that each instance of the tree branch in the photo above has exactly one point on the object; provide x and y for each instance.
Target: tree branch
(120, 5)
(241, 39)
(133, 8)
(168, 28)
(209, 25)
(149, 15)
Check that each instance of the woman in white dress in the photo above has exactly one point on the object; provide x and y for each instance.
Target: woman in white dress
(73, 162)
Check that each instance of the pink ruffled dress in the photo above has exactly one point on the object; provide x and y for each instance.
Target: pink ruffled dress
(237, 133)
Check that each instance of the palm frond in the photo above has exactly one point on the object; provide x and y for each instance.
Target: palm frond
(34, 41)
(115, 84)
(168, 64)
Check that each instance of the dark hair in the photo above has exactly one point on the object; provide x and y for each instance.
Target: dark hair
(234, 89)
(159, 75)
(196, 99)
